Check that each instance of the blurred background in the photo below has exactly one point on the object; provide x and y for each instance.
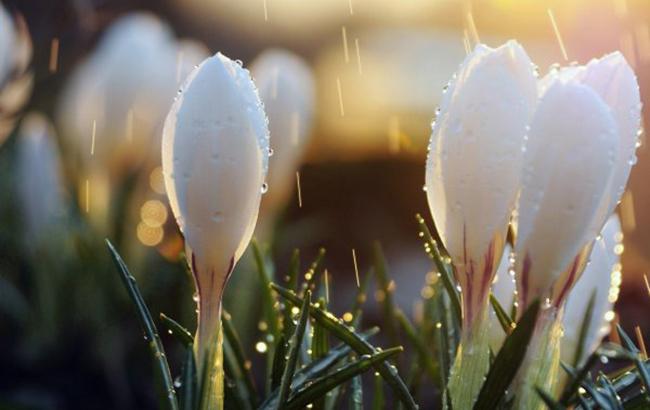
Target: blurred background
(81, 160)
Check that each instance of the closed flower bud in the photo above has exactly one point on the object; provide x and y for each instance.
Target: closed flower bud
(215, 158)
(562, 207)
(286, 88)
(113, 106)
(39, 179)
(472, 180)
(15, 78)
(474, 162)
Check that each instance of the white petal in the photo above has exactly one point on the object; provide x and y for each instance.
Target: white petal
(570, 155)
(215, 151)
(475, 152)
(599, 279)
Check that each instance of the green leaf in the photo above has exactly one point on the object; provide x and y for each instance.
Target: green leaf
(188, 393)
(292, 283)
(279, 363)
(584, 329)
(355, 341)
(424, 355)
(294, 349)
(576, 378)
(177, 330)
(243, 363)
(326, 383)
(445, 274)
(356, 394)
(314, 369)
(234, 384)
(268, 299)
(378, 401)
(386, 287)
(504, 319)
(548, 400)
(612, 395)
(168, 393)
(508, 360)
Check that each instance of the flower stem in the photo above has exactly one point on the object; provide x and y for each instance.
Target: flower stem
(471, 364)
(541, 364)
(208, 349)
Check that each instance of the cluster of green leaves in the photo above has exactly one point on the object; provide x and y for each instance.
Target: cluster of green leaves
(302, 367)
(627, 388)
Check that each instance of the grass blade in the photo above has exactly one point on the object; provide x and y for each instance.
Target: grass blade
(234, 384)
(356, 394)
(188, 393)
(294, 349)
(168, 395)
(504, 319)
(356, 342)
(243, 363)
(268, 300)
(508, 360)
(177, 330)
(386, 287)
(426, 360)
(576, 378)
(378, 401)
(320, 387)
(447, 278)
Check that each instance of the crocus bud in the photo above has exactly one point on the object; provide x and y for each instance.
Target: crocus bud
(472, 180)
(570, 154)
(474, 162)
(115, 102)
(601, 280)
(15, 78)
(286, 87)
(38, 178)
(215, 158)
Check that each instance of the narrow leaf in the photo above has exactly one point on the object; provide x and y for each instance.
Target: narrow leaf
(508, 360)
(320, 387)
(356, 342)
(243, 363)
(548, 400)
(168, 393)
(177, 330)
(294, 348)
(424, 354)
(504, 319)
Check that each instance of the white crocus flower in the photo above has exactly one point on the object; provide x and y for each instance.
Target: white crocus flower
(39, 180)
(573, 138)
(472, 180)
(116, 100)
(286, 87)
(547, 203)
(602, 279)
(215, 158)
(15, 78)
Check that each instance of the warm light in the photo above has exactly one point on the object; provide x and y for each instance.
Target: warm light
(153, 213)
(148, 235)
(156, 180)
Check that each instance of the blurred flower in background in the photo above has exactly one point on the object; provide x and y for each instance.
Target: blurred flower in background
(286, 88)
(15, 79)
